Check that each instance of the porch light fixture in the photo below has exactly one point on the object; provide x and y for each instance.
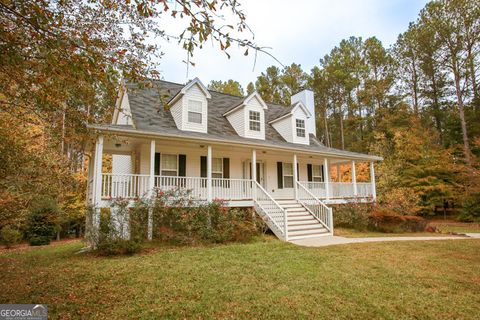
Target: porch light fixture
(118, 145)
(202, 146)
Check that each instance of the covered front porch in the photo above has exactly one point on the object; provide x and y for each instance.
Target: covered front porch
(133, 167)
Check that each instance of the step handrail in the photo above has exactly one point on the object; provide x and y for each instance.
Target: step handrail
(283, 232)
(329, 218)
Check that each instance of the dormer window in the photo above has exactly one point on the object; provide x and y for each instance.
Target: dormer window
(300, 125)
(194, 111)
(254, 117)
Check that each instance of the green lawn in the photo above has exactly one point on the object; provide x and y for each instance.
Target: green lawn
(271, 279)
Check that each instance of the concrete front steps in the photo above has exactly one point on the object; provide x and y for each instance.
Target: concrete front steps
(301, 224)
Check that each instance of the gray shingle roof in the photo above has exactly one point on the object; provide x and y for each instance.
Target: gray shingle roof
(149, 114)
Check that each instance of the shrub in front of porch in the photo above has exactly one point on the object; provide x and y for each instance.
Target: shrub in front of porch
(177, 218)
(115, 235)
(372, 217)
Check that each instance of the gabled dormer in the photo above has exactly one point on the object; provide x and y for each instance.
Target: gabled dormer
(292, 125)
(248, 117)
(189, 107)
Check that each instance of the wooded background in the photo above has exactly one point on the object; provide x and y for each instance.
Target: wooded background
(416, 103)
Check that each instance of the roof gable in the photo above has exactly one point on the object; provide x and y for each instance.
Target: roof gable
(291, 111)
(189, 85)
(246, 101)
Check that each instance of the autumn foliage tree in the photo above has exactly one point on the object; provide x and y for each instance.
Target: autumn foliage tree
(61, 63)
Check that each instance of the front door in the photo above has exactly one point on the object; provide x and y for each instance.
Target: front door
(260, 172)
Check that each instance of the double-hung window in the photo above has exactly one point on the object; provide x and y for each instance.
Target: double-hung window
(194, 111)
(287, 175)
(300, 125)
(254, 123)
(169, 165)
(217, 167)
(317, 175)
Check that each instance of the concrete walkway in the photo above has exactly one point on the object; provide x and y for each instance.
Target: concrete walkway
(473, 235)
(334, 240)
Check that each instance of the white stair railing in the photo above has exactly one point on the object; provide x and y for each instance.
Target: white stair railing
(275, 216)
(316, 207)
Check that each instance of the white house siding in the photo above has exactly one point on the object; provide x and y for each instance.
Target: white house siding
(125, 115)
(194, 93)
(237, 120)
(284, 127)
(177, 112)
(300, 114)
(254, 105)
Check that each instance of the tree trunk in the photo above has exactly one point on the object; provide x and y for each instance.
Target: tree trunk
(327, 134)
(415, 88)
(63, 131)
(466, 144)
(436, 108)
(341, 130)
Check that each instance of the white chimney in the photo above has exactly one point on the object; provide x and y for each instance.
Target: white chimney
(306, 97)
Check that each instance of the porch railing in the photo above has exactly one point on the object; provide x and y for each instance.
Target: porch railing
(137, 185)
(319, 189)
(124, 185)
(274, 215)
(231, 189)
(315, 206)
(364, 189)
(342, 190)
(196, 185)
(338, 190)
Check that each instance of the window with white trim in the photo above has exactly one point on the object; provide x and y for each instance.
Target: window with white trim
(254, 123)
(287, 175)
(300, 125)
(317, 175)
(217, 167)
(169, 165)
(194, 111)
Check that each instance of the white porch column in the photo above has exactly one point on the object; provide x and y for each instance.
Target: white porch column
(295, 177)
(97, 181)
(354, 179)
(151, 191)
(372, 181)
(209, 174)
(254, 173)
(326, 169)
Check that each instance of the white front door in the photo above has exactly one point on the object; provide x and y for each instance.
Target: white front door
(247, 172)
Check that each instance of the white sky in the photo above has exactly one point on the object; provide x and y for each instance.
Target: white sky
(300, 31)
